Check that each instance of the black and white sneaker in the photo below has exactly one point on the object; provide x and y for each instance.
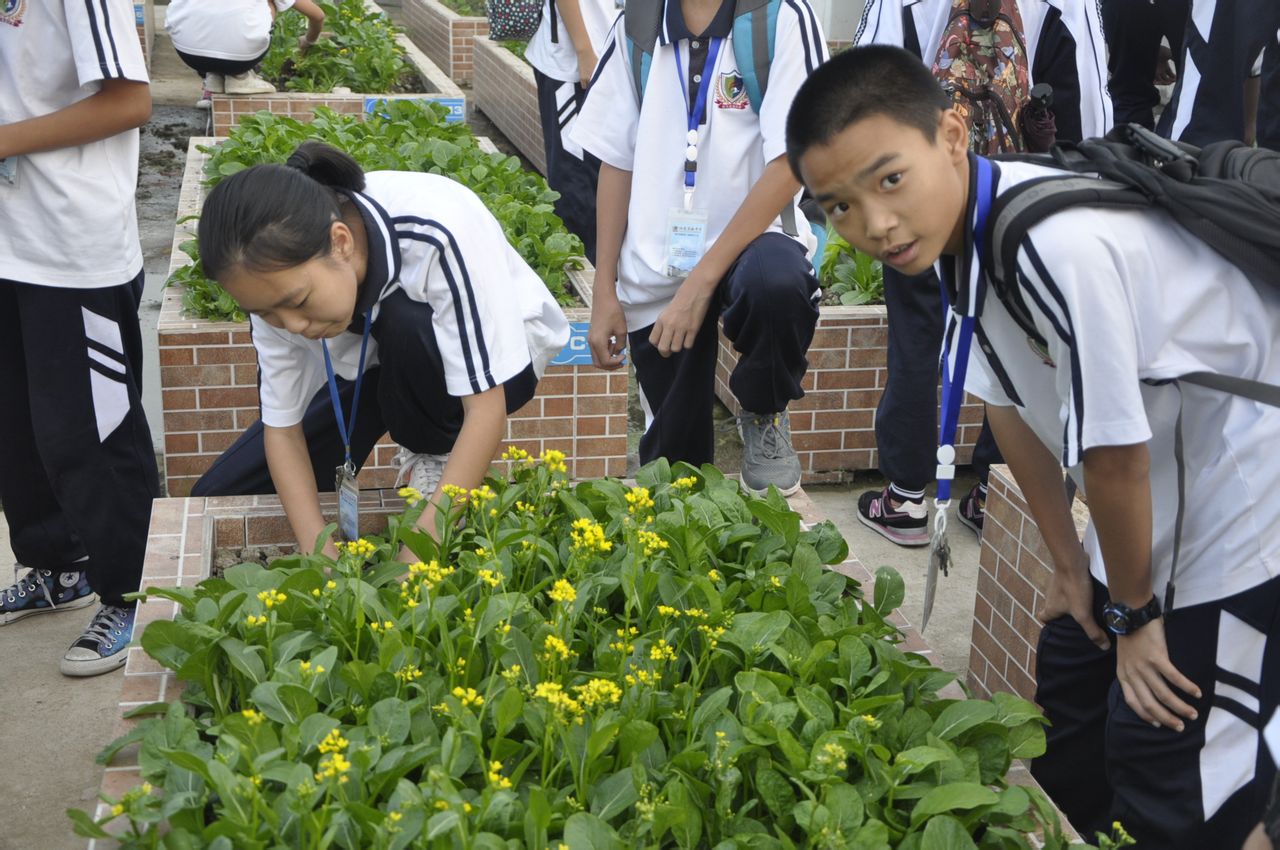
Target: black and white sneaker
(101, 648)
(44, 592)
(906, 525)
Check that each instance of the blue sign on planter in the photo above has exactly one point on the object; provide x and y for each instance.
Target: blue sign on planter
(457, 106)
(576, 351)
(139, 14)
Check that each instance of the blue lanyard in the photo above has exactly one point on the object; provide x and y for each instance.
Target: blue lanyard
(953, 383)
(355, 401)
(697, 108)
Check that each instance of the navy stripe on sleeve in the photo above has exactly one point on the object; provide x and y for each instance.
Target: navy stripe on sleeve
(458, 314)
(111, 38)
(97, 40)
(1072, 449)
(805, 36)
(604, 60)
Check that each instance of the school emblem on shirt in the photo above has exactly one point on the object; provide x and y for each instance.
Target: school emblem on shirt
(731, 92)
(1042, 351)
(12, 12)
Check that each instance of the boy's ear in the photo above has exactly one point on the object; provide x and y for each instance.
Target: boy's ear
(953, 134)
(341, 240)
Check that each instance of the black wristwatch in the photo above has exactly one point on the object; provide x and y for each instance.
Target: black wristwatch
(1123, 620)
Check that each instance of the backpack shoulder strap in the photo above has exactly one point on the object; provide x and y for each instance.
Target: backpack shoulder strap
(642, 23)
(755, 30)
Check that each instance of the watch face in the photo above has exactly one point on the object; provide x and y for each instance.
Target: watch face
(1117, 621)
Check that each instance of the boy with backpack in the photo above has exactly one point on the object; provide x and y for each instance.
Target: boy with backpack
(698, 220)
(1039, 43)
(1092, 338)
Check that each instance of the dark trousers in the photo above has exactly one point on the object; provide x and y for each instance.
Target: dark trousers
(1204, 787)
(404, 395)
(1133, 31)
(571, 171)
(77, 466)
(907, 416)
(228, 67)
(1208, 104)
(1269, 99)
(769, 314)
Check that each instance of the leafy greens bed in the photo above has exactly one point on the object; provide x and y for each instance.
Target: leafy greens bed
(591, 667)
(359, 50)
(403, 136)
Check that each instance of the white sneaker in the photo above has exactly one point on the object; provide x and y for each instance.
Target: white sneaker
(205, 101)
(247, 83)
(423, 471)
(215, 83)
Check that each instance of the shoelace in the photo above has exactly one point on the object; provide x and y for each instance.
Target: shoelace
(110, 618)
(33, 579)
(774, 443)
(406, 460)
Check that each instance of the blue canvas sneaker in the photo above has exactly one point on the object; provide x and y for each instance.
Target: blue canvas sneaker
(101, 648)
(44, 592)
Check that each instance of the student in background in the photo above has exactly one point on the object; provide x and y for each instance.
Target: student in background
(77, 466)
(223, 42)
(563, 53)
(1136, 57)
(1064, 49)
(698, 218)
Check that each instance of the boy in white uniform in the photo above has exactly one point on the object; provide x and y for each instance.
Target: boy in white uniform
(77, 468)
(752, 267)
(563, 53)
(1163, 732)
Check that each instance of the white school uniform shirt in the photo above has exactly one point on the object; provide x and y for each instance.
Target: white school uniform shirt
(433, 238)
(69, 221)
(558, 59)
(649, 140)
(1064, 47)
(1122, 299)
(235, 30)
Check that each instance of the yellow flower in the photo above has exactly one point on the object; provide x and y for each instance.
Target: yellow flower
(334, 766)
(600, 692)
(409, 673)
(306, 669)
(696, 614)
(554, 460)
(662, 651)
(489, 577)
(411, 495)
(456, 494)
(468, 697)
(466, 808)
(331, 585)
(252, 621)
(394, 817)
(316, 593)
(384, 626)
(358, 548)
(556, 647)
(483, 494)
(333, 742)
(505, 629)
(652, 543)
(511, 673)
(668, 611)
(714, 575)
(272, 598)
(496, 779)
(565, 706)
(117, 810)
(638, 500)
(686, 483)
(871, 721)
(255, 718)
(482, 551)
(562, 592)
(589, 536)
(515, 453)
(775, 581)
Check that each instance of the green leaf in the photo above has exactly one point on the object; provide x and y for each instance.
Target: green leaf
(775, 791)
(917, 759)
(755, 631)
(890, 591)
(284, 703)
(1027, 742)
(953, 797)
(946, 833)
(845, 804)
(507, 711)
(961, 716)
(710, 708)
(389, 720)
(442, 823)
(585, 831)
(85, 826)
(614, 795)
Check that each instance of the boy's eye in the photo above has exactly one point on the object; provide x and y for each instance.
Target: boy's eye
(838, 209)
(892, 180)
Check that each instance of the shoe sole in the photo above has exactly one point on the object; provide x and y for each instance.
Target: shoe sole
(895, 536)
(73, 605)
(790, 491)
(970, 524)
(96, 667)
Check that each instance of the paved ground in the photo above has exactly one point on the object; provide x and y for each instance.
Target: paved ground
(54, 726)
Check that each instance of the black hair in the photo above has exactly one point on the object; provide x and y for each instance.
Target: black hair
(271, 217)
(860, 83)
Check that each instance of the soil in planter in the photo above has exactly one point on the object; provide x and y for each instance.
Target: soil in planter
(223, 559)
(411, 83)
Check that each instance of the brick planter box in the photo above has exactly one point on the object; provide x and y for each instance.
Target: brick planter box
(833, 426)
(229, 108)
(185, 533)
(1013, 575)
(504, 89)
(209, 379)
(445, 36)
(144, 16)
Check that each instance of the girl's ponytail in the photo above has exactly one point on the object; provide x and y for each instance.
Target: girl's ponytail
(271, 217)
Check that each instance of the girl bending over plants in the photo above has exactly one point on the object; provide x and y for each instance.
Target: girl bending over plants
(400, 283)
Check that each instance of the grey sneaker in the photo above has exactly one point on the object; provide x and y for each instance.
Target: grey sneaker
(767, 454)
(420, 471)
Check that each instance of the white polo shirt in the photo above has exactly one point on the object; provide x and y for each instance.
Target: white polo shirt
(1122, 298)
(649, 139)
(1064, 48)
(433, 238)
(236, 30)
(558, 59)
(69, 220)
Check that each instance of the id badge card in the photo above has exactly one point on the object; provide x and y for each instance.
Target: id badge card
(686, 240)
(9, 171)
(348, 503)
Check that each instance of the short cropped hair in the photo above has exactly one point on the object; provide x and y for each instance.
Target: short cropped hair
(857, 84)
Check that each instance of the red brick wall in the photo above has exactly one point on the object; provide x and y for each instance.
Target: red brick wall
(144, 17)
(208, 379)
(504, 90)
(833, 426)
(229, 109)
(444, 35)
(1013, 574)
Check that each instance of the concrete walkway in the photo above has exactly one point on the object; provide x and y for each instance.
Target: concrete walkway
(55, 726)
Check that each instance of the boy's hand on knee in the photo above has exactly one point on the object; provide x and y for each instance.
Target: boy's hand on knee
(678, 325)
(1146, 675)
(607, 335)
(1070, 593)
